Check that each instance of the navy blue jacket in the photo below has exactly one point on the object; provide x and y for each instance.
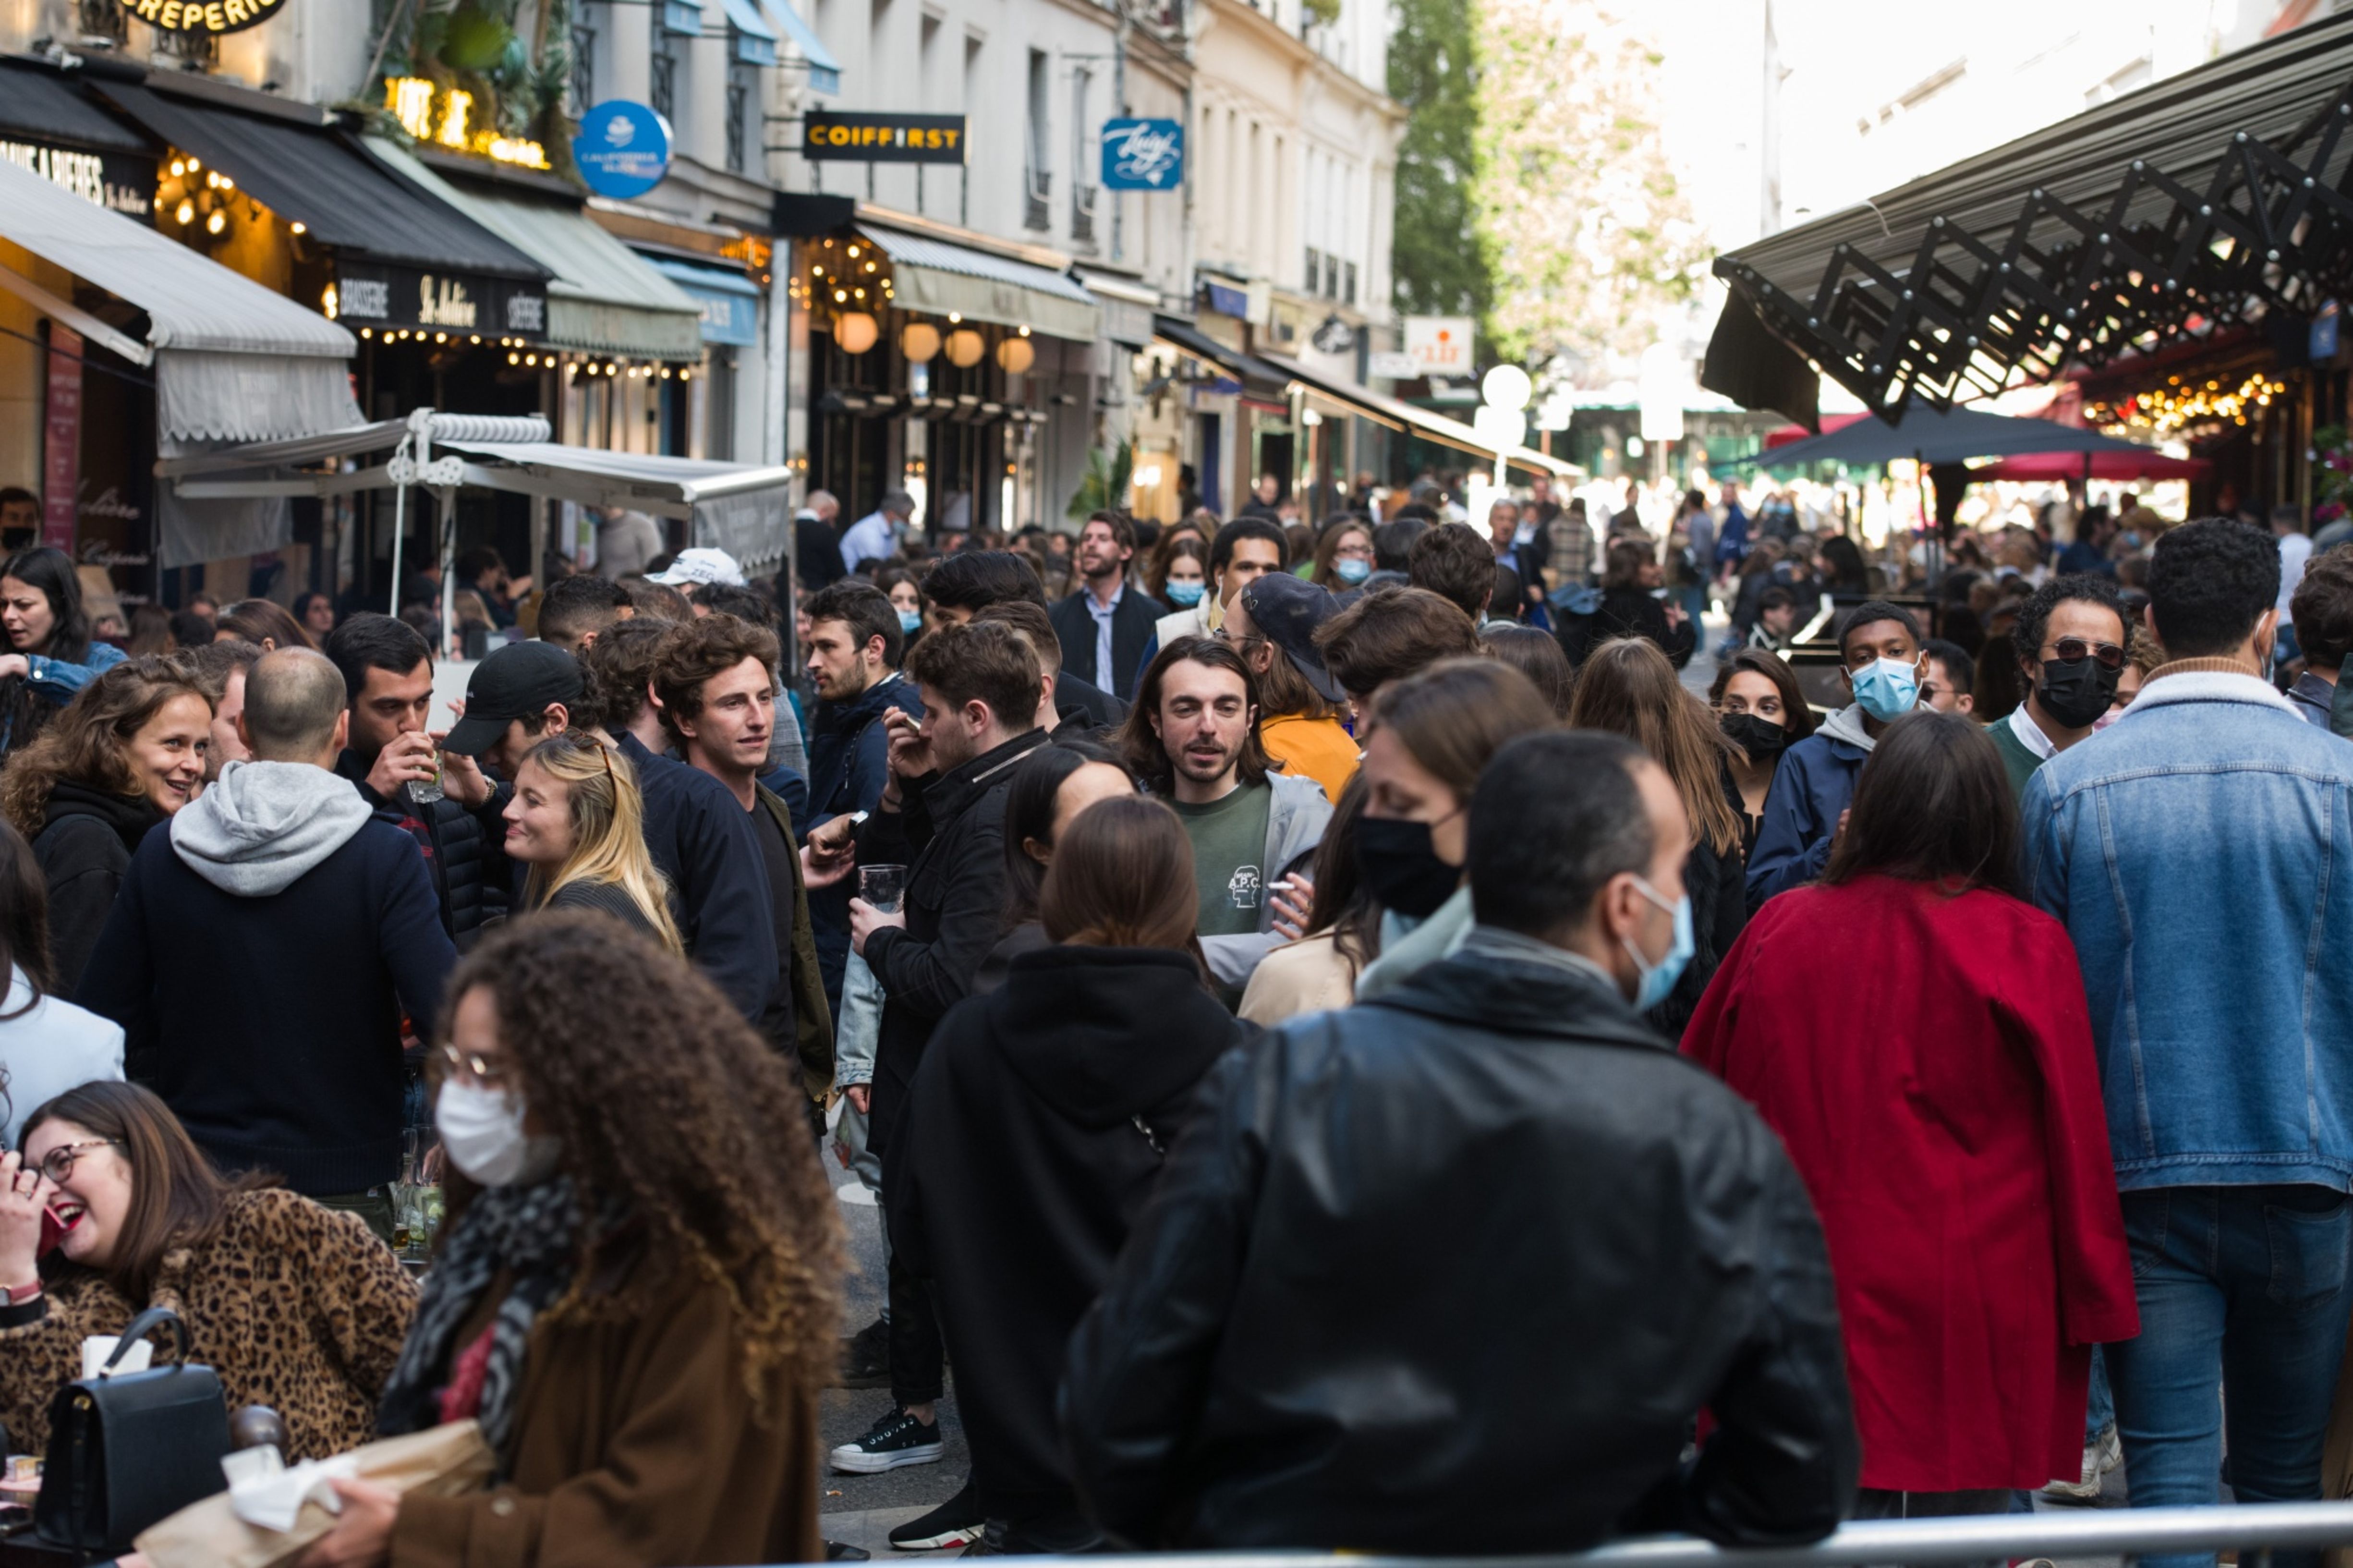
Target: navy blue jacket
(1135, 624)
(271, 1025)
(849, 764)
(1814, 783)
(701, 839)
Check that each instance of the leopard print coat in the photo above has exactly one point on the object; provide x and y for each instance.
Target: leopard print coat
(296, 1306)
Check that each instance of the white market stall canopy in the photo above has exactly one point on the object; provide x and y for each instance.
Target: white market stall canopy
(232, 361)
(736, 507)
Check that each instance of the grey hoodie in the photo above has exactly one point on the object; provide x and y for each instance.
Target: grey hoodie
(261, 825)
(1846, 724)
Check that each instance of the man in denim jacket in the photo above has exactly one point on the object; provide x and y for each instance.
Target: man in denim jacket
(2200, 851)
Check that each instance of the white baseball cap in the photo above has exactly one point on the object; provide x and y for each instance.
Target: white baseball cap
(701, 566)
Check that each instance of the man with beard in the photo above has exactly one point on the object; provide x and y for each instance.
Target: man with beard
(1106, 625)
(1193, 739)
(2071, 645)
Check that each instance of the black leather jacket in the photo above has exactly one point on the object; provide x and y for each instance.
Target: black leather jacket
(1477, 1251)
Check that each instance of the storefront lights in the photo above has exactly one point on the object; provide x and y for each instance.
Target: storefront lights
(185, 213)
(216, 222)
(965, 348)
(1015, 354)
(855, 332)
(919, 341)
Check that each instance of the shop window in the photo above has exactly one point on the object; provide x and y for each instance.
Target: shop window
(1314, 269)
(584, 68)
(1037, 178)
(664, 92)
(104, 19)
(739, 102)
(1331, 277)
(1348, 284)
(1083, 194)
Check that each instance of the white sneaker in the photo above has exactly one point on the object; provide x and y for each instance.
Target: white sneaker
(2100, 1456)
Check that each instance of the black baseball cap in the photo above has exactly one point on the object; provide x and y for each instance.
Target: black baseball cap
(517, 680)
(1287, 610)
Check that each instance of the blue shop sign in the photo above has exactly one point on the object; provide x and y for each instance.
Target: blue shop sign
(730, 301)
(1142, 154)
(623, 149)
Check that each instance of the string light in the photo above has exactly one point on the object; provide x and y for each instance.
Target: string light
(2178, 405)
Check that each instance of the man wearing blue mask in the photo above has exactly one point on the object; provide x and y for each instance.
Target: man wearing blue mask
(1216, 1395)
(1884, 667)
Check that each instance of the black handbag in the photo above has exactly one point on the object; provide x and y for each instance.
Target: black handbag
(130, 1449)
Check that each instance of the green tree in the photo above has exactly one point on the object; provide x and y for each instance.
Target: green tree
(1442, 262)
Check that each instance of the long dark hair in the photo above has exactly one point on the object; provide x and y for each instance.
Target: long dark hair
(23, 920)
(265, 623)
(1627, 687)
(52, 571)
(1123, 877)
(177, 1199)
(1147, 758)
(1933, 804)
(1037, 783)
(1343, 904)
(1800, 723)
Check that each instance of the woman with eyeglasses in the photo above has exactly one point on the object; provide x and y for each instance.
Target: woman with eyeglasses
(2071, 649)
(106, 1208)
(636, 1290)
(1942, 1103)
(578, 822)
(1343, 555)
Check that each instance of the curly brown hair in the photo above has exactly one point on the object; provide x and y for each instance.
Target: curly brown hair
(700, 652)
(85, 742)
(674, 1114)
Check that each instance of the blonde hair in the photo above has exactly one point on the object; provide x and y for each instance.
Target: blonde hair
(608, 818)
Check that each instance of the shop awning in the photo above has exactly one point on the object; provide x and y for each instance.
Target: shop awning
(824, 70)
(234, 361)
(39, 104)
(1255, 376)
(1398, 415)
(2221, 194)
(729, 301)
(1128, 308)
(310, 175)
(1937, 436)
(602, 298)
(941, 277)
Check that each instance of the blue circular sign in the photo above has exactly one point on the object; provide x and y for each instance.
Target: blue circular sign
(622, 150)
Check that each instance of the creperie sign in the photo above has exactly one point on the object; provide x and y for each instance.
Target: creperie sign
(204, 15)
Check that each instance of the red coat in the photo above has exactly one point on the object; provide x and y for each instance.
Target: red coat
(1928, 1061)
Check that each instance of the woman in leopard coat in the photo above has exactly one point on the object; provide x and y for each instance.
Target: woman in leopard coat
(296, 1306)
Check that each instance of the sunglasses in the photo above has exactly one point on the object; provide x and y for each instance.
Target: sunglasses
(2076, 650)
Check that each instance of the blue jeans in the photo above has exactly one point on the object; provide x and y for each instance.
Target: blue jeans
(2100, 1409)
(2243, 1294)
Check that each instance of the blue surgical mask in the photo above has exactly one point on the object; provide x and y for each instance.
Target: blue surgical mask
(1186, 594)
(1350, 569)
(910, 621)
(1658, 980)
(1887, 688)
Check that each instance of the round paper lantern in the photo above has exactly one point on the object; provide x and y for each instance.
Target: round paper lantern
(965, 348)
(855, 332)
(919, 341)
(1015, 354)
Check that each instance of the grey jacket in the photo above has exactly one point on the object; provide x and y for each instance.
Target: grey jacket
(1295, 821)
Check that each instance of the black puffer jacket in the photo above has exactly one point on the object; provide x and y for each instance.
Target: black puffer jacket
(1033, 1138)
(1475, 1251)
(84, 848)
(950, 835)
(465, 849)
(1717, 883)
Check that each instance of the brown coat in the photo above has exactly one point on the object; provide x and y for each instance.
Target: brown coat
(812, 1018)
(635, 1443)
(295, 1307)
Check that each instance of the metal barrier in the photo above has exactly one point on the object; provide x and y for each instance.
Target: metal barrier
(2253, 1530)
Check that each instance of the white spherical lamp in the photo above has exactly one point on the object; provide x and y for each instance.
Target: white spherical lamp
(1015, 354)
(855, 332)
(1506, 387)
(965, 348)
(919, 341)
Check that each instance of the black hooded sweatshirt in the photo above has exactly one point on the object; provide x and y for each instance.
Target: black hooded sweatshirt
(1033, 1135)
(84, 850)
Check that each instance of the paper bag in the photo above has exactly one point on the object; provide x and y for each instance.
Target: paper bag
(442, 1461)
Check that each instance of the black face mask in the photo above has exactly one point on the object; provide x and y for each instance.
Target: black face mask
(1397, 863)
(1759, 738)
(2076, 694)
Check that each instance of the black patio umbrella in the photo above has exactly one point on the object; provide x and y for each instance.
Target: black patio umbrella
(1939, 437)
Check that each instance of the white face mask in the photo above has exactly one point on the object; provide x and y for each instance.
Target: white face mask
(482, 1130)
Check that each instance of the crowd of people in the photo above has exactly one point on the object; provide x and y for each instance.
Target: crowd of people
(1210, 967)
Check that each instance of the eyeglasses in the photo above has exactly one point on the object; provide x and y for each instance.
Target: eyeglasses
(483, 1070)
(59, 1163)
(2076, 650)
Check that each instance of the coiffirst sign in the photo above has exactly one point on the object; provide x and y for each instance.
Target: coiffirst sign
(883, 138)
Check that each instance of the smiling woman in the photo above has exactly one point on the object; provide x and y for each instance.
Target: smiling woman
(127, 753)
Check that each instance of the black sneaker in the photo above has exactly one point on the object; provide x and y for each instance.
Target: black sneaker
(898, 1438)
(866, 1358)
(952, 1523)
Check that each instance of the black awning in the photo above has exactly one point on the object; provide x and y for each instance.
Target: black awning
(311, 175)
(1257, 378)
(39, 103)
(2220, 195)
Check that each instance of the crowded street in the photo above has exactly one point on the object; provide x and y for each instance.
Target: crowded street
(1364, 780)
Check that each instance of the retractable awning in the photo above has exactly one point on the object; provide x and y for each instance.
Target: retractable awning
(602, 298)
(1255, 376)
(233, 360)
(2224, 193)
(941, 277)
(1398, 415)
(824, 70)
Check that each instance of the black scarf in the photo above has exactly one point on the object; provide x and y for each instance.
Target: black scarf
(533, 1233)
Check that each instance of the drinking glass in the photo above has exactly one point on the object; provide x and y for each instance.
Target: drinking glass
(882, 887)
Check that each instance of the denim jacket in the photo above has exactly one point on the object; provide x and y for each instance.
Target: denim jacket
(2200, 851)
